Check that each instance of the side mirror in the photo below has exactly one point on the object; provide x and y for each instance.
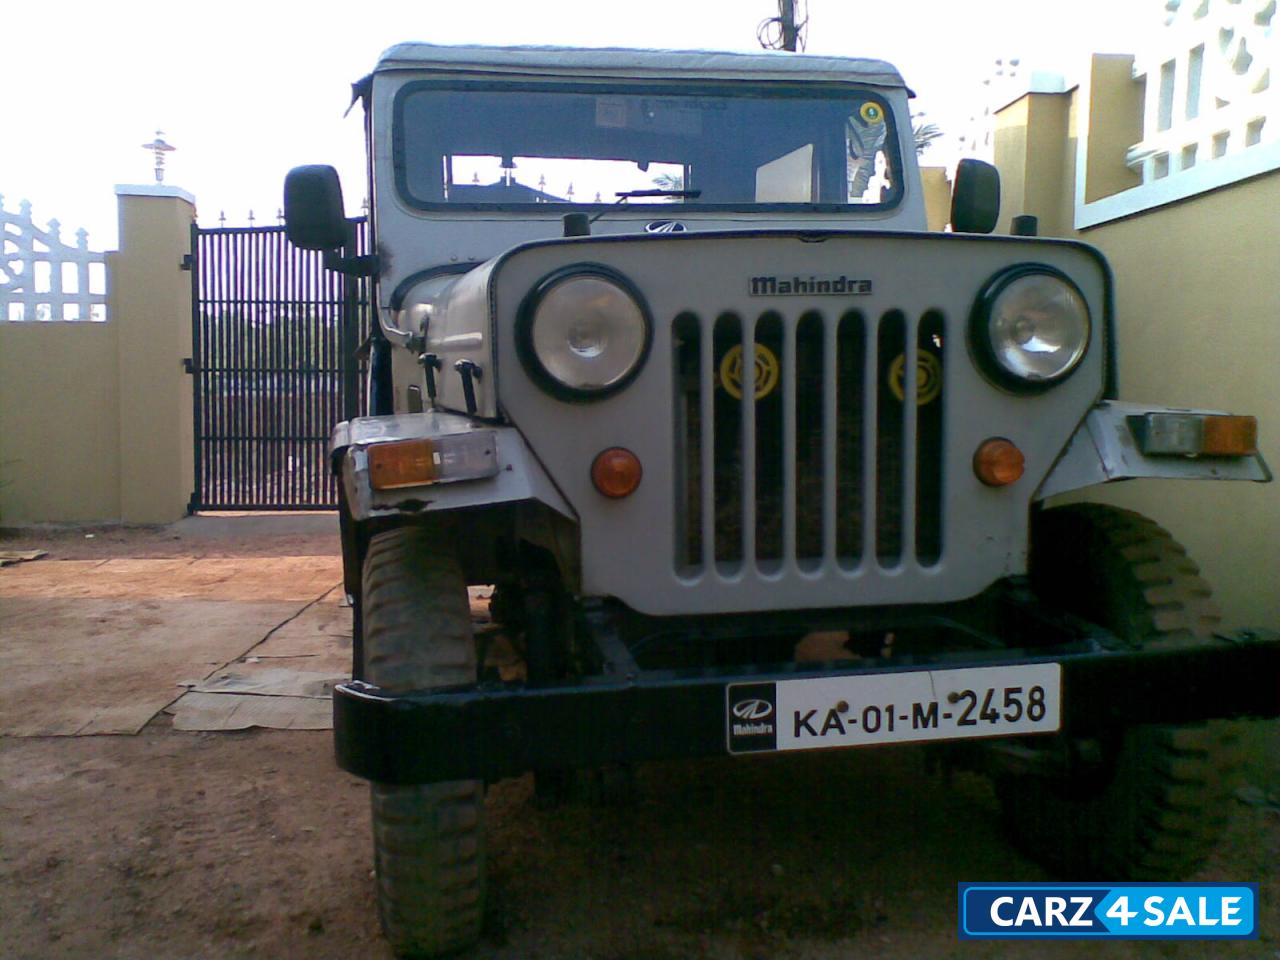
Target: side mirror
(975, 201)
(314, 217)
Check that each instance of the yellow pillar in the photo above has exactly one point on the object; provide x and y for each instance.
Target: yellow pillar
(1114, 122)
(937, 197)
(150, 302)
(1030, 145)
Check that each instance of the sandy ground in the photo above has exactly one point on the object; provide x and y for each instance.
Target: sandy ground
(174, 844)
(211, 535)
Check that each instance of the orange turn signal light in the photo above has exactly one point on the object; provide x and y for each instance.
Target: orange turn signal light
(405, 463)
(616, 472)
(998, 462)
(1229, 437)
(1173, 433)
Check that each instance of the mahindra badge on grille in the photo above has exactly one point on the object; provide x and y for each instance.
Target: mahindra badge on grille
(810, 286)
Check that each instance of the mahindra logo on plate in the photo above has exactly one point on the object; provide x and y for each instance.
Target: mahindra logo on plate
(752, 709)
(665, 226)
(749, 716)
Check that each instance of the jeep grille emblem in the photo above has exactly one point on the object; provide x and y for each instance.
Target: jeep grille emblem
(664, 226)
(810, 286)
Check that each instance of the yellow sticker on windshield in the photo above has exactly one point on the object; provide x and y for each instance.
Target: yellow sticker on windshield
(871, 113)
(766, 371)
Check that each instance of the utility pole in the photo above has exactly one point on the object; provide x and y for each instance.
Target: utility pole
(787, 18)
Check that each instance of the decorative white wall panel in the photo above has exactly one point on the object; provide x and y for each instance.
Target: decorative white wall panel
(45, 279)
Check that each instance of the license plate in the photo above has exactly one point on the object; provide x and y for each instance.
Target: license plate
(826, 712)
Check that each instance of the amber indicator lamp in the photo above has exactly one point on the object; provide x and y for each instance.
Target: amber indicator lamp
(998, 462)
(616, 472)
(408, 463)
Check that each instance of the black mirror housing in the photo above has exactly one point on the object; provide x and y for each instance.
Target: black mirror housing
(314, 216)
(975, 200)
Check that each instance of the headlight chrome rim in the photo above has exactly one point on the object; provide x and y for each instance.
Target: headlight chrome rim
(525, 333)
(984, 348)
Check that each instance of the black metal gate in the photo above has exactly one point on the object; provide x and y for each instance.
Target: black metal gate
(274, 338)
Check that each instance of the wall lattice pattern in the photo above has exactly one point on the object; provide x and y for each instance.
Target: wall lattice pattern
(1210, 90)
(45, 279)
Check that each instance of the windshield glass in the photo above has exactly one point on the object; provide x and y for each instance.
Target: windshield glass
(513, 147)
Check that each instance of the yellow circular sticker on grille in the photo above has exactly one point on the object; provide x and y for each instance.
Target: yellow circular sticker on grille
(928, 377)
(766, 371)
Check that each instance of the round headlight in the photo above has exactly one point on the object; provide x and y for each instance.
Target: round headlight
(1031, 327)
(584, 332)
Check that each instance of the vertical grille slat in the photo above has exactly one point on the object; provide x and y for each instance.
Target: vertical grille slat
(747, 401)
(869, 515)
(931, 373)
(687, 467)
(808, 436)
(771, 457)
(729, 453)
(850, 465)
(706, 406)
(789, 375)
(837, 464)
(907, 528)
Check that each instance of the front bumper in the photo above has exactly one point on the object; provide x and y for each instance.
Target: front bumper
(626, 714)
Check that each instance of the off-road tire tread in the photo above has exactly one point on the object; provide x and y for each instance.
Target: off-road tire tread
(1164, 809)
(428, 839)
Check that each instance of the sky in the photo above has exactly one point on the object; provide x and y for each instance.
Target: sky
(247, 90)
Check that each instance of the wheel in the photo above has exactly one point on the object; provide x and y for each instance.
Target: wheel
(428, 839)
(1151, 800)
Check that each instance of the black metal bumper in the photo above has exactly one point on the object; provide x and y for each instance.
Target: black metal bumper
(494, 731)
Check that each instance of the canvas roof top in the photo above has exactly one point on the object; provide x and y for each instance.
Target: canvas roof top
(657, 64)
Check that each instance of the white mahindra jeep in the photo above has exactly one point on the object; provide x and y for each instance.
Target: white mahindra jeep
(666, 354)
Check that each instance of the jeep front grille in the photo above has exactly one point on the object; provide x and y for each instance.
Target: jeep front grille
(838, 461)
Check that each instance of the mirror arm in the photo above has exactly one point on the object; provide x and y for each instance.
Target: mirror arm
(362, 266)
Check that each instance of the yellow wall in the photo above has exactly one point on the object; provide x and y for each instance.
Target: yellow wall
(95, 418)
(1197, 313)
(59, 429)
(1198, 303)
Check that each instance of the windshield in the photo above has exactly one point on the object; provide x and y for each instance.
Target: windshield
(514, 147)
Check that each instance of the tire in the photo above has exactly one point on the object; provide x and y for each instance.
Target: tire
(428, 839)
(1156, 798)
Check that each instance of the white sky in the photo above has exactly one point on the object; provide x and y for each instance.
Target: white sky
(246, 90)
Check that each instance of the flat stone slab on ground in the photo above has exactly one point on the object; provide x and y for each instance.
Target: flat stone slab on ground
(284, 683)
(80, 666)
(101, 646)
(9, 557)
(233, 711)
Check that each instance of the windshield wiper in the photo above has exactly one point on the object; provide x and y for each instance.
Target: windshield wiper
(625, 195)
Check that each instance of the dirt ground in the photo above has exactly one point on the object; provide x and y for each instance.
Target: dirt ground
(211, 535)
(175, 844)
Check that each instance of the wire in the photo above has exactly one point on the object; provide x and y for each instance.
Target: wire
(770, 33)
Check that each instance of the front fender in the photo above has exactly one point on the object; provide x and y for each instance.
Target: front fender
(1104, 449)
(520, 477)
